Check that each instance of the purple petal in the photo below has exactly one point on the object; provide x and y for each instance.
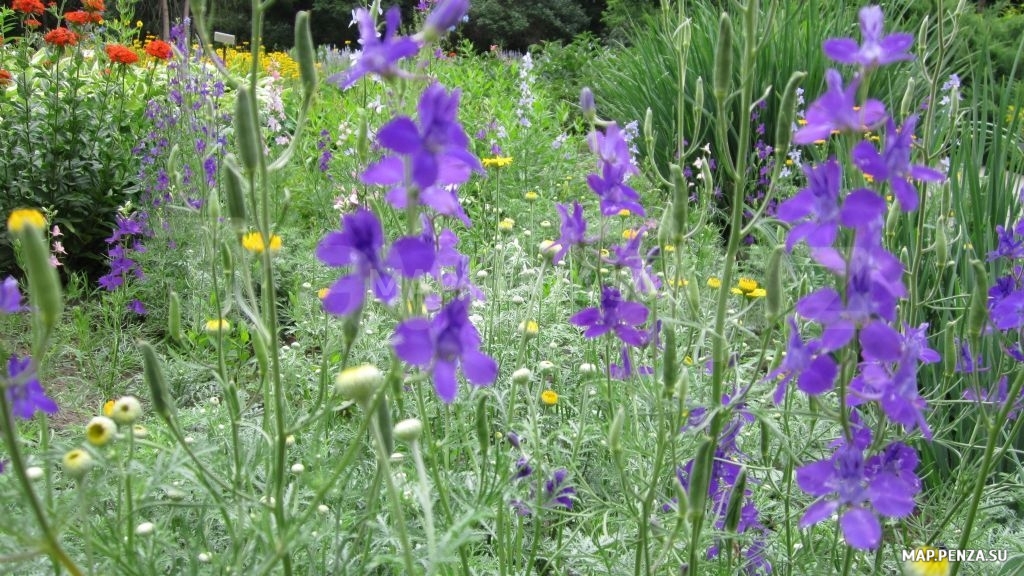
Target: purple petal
(411, 256)
(817, 512)
(335, 250)
(880, 343)
(861, 529)
(400, 135)
(906, 193)
(841, 50)
(819, 377)
(862, 207)
(479, 368)
(816, 478)
(891, 496)
(633, 313)
(346, 295)
(586, 317)
(445, 383)
(412, 342)
(918, 172)
(389, 170)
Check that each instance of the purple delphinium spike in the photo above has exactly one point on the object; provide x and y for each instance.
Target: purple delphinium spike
(893, 164)
(815, 209)
(860, 491)
(444, 344)
(380, 55)
(10, 296)
(837, 109)
(24, 391)
(613, 191)
(615, 314)
(875, 49)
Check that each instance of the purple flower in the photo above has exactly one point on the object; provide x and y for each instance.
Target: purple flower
(893, 164)
(625, 370)
(875, 50)
(435, 151)
(380, 55)
(358, 246)
(446, 15)
(837, 109)
(809, 363)
(137, 307)
(628, 256)
(1010, 243)
(816, 207)
(574, 229)
(997, 396)
(24, 391)
(615, 314)
(613, 191)
(860, 491)
(523, 468)
(442, 344)
(10, 296)
(557, 491)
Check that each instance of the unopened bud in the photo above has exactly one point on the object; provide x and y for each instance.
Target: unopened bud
(409, 430)
(359, 383)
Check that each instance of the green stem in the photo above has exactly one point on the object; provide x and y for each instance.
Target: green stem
(393, 498)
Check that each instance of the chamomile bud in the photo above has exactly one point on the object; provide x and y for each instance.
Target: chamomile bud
(100, 431)
(126, 410)
(359, 383)
(77, 463)
(522, 376)
(409, 430)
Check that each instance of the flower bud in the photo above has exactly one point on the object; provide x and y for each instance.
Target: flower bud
(773, 284)
(153, 374)
(908, 99)
(77, 463)
(445, 15)
(409, 430)
(698, 100)
(615, 432)
(126, 410)
(522, 376)
(483, 428)
(977, 315)
(670, 366)
(723, 59)
(144, 529)
(235, 186)
(949, 351)
(587, 105)
(305, 52)
(734, 509)
(787, 109)
(28, 225)
(174, 317)
(247, 130)
(359, 383)
(680, 203)
(100, 431)
(700, 476)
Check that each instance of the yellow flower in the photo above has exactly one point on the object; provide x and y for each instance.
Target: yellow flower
(253, 242)
(322, 293)
(100, 430)
(680, 282)
(747, 285)
(757, 293)
(926, 562)
(801, 121)
(531, 196)
(869, 178)
(605, 253)
(628, 234)
(529, 328)
(688, 361)
(506, 225)
(549, 397)
(669, 248)
(23, 217)
(714, 282)
(497, 162)
(138, 23)
(77, 462)
(108, 407)
(624, 212)
(217, 326)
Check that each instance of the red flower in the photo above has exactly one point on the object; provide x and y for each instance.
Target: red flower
(121, 54)
(61, 36)
(79, 17)
(159, 49)
(33, 23)
(93, 5)
(5, 78)
(28, 6)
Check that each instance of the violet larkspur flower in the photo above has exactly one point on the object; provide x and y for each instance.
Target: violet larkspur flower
(380, 54)
(875, 50)
(861, 490)
(557, 491)
(436, 149)
(574, 229)
(809, 363)
(615, 314)
(837, 109)
(358, 246)
(893, 164)
(10, 297)
(998, 397)
(443, 344)
(446, 15)
(24, 391)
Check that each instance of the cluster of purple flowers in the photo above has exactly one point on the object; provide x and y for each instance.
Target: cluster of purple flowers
(124, 242)
(24, 392)
(425, 160)
(863, 311)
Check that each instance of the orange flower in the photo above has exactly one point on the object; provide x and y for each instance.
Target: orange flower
(61, 36)
(79, 17)
(93, 5)
(5, 78)
(28, 6)
(121, 54)
(33, 23)
(159, 49)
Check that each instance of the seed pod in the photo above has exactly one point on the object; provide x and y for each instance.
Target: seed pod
(773, 284)
(153, 373)
(698, 101)
(236, 187)
(908, 100)
(977, 316)
(941, 243)
(723, 58)
(949, 351)
(384, 421)
(700, 476)
(670, 369)
(649, 123)
(261, 349)
(305, 51)
(227, 258)
(787, 109)
(213, 205)
(615, 433)
(247, 130)
(174, 317)
(482, 427)
(43, 283)
(734, 509)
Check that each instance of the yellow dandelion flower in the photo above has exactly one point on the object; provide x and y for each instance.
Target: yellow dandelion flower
(100, 431)
(747, 285)
(253, 242)
(506, 225)
(629, 234)
(669, 248)
(23, 217)
(217, 326)
(735, 290)
(549, 397)
(926, 561)
(531, 196)
(757, 293)
(497, 162)
(714, 282)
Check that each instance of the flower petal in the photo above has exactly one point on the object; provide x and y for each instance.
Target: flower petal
(412, 342)
(861, 529)
(346, 295)
(479, 368)
(445, 383)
